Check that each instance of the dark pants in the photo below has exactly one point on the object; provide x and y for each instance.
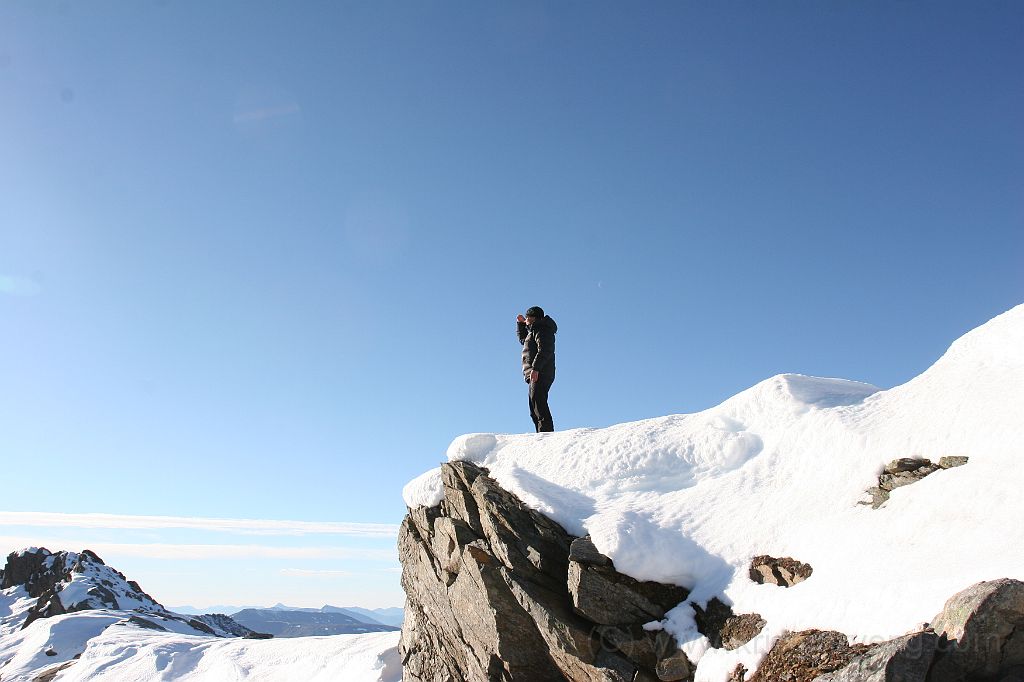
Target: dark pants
(539, 411)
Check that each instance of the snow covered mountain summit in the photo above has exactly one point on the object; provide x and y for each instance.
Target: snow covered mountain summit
(69, 582)
(782, 469)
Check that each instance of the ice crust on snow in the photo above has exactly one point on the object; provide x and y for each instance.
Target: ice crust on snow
(779, 469)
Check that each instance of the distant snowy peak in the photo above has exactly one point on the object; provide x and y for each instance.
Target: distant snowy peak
(69, 582)
(73, 581)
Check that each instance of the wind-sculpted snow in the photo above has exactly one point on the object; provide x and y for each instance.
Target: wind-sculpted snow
(779, 469)
(566, 474)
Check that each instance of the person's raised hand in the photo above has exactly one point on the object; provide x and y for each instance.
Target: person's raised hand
(520, 318)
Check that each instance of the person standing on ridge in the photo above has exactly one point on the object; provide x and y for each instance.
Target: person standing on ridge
(536, 331)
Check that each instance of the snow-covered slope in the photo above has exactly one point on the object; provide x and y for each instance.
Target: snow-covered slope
(779, 469)
(120, 653)
(68, 616)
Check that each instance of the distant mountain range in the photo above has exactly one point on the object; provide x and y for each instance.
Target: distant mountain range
(329, 620)
(384, 616)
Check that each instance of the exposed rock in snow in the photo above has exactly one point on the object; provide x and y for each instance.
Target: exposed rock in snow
(904, 471)
(803, 656)
(723, 628)
(784, 572)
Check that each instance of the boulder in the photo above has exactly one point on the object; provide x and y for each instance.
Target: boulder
(603, 595)
(582, 550)
(805, 655)
(904, 659)
(723, 628)
(785, 571)
(982, 630)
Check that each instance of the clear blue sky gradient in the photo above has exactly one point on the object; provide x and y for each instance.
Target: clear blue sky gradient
(262, 260)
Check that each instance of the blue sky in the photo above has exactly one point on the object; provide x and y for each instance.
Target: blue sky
(262, 261)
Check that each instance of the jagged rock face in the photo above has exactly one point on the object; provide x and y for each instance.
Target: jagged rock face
(487, 582)
(497, 591)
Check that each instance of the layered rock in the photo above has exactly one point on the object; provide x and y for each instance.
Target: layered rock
(497, 591)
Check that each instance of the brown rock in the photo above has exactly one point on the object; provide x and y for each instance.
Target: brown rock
(904, 659)
(785, 571)
(803, 656)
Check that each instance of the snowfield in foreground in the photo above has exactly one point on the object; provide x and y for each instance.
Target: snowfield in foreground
(125, 653)
(109, 647)
(782, 469)
(117, 632)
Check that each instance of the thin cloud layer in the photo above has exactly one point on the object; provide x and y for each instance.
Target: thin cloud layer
(200, 552)
(244, 526)
(306, 573)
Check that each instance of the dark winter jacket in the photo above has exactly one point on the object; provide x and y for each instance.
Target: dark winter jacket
(538, 342)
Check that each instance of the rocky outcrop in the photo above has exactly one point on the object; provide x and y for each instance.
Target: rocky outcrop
(68, 582)
(904, 471)
(497, 591)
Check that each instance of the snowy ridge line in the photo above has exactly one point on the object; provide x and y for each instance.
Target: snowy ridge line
(782, 469)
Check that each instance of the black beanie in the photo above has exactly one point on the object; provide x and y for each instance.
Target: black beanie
(535, 311)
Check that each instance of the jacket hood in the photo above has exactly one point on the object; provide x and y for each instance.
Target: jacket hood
(546, 321)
